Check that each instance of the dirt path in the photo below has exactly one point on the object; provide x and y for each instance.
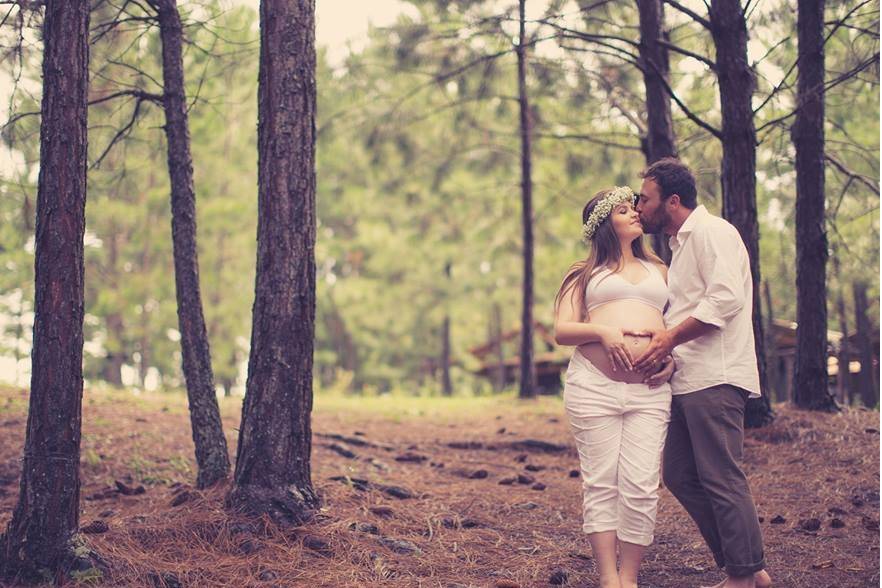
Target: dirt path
(449, 497)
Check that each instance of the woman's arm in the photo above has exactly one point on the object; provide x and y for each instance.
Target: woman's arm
(570, 330)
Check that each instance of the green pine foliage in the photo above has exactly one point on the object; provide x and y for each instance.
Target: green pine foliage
(417, 171)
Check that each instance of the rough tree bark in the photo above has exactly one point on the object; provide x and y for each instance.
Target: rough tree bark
(41, 537)
(810, 372)
(208, 435)
(656, 69)
(272, 466)
(737, 83)
(660, 141)
(528, 368)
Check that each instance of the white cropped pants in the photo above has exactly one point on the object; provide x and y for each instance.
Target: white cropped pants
(620, 430)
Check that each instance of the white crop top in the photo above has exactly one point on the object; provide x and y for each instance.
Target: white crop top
(607, 286)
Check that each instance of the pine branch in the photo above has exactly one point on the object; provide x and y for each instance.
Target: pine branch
(687, 53)
(693, 15)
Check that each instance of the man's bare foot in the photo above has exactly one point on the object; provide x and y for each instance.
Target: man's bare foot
(627, 582)
(733, 582)
(762, 579)
(610, 582)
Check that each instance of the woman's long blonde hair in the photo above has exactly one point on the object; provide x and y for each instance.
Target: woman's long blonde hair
(605, 250)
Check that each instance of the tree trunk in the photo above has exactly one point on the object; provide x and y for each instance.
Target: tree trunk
(843, 377)
(446, 385)
(774, 371)
(115, 358)
(868, 386)
(341, 339)
(654, 59)
(810, 373)
(208, 435)
(528, 368)
(496, 336)
(660, 141)
(272, 466)
(737, 84)
(115, 329)
(40, 537)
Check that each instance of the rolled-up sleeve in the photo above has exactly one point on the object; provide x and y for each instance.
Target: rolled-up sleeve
(720, 263)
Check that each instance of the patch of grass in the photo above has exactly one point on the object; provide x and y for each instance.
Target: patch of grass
(101, 422)
(398, 407)
(16, 399)
(180, 464)
(92, 576)
(91, 458)
(145, 471)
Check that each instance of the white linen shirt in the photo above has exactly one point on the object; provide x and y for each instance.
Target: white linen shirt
(709, 280)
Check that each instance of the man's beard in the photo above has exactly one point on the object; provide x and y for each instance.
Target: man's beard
(656, 223)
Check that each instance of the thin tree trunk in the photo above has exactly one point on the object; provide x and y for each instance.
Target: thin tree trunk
(341, 339)
(446, 384)
(272, 467)
(774, 373)
(115, 357)
(113, 322)
(19, 336)
(40, 536)
(843, 376)
(528, 368)
(810, 373)
(208, 435)
(496, 336)
(144, 362)
(656, 69)
(737, 84)
(868, 385)
(660, 141)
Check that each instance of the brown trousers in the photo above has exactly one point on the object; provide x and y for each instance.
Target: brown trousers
(702, 470)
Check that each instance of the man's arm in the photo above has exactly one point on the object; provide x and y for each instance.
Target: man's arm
(664, 340)
(720, 261)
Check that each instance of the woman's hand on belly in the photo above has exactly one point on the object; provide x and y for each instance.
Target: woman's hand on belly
(616, 346)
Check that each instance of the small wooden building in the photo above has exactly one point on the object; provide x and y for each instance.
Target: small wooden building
(501, 362)
(782, 357)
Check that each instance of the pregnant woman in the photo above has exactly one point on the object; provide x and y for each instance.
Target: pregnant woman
(619, 416)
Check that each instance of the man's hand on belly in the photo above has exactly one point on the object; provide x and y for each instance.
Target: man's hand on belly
(659, 348)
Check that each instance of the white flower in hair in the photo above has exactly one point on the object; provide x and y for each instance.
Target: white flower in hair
(618, 195)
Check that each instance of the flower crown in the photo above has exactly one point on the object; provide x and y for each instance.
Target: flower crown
(618, 195)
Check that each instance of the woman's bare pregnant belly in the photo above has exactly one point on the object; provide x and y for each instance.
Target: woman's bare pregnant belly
(627, 315)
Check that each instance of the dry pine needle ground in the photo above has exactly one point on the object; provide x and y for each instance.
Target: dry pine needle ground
(442, 493)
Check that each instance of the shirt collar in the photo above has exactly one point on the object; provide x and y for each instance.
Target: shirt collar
(692, 221)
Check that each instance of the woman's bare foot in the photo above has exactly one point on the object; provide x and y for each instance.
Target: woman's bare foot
(627, 582)
(610, 582)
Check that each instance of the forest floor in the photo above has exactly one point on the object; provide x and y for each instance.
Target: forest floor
(815, 478)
